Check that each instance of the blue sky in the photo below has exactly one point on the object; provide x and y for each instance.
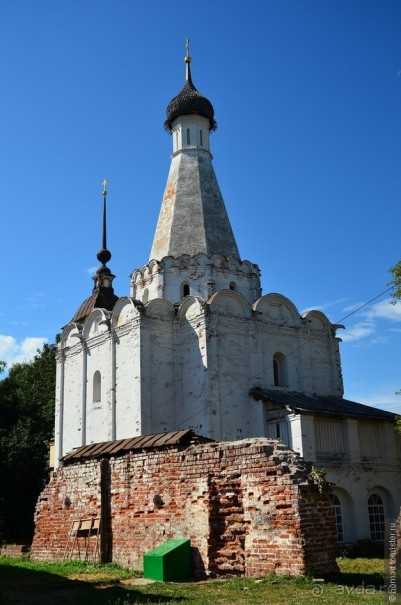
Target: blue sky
(307, 95)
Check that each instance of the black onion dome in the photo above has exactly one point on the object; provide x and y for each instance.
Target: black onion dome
(189, 101)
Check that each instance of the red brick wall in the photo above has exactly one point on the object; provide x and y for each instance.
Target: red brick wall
(249, 507)
(13, 550)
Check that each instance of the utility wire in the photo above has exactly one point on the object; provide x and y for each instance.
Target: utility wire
(307, 341)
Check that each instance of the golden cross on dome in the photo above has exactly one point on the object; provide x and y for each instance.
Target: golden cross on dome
(187, 46)
(105, 181)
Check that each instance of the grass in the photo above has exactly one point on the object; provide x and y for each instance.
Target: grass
(24, 582)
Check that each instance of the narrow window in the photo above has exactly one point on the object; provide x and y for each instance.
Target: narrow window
(145, 296)
(280, 374)
(185, 290)
(376, 518)
(188, 136)
(97, 387)
(176, 139)
(275, 373)
(338, 516)
(201, 138)
(232, 285)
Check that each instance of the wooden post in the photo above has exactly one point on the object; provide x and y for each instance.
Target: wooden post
(105, 530)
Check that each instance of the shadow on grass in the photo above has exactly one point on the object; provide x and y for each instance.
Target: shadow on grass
(20, 586)
(356, 580)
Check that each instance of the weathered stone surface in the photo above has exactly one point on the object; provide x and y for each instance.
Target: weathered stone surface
(193, 218)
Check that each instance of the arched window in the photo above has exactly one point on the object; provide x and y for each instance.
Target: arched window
(97, 387)
(185, 290)
(232, 285)
(188, 136)
(338, 516)
(201, 138)
(376, 517)
(280, 373)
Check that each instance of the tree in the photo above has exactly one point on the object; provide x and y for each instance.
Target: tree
(396, 281)
(26, 426)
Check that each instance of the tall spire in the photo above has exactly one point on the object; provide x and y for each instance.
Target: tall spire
(102, 296)
(187, 63)
(193, 218)
(104, 255)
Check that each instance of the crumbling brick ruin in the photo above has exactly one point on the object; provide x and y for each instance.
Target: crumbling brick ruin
(249, 507)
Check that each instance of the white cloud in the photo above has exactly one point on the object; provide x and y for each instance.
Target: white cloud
(354, 306)
(371, 318)
(12, 351)
(91, 271)
(358, 331)
(324, 306)
(384, 309)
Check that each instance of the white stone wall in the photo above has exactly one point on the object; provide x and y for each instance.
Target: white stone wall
(97, 353)
(353, 484)
(198, 127)
(158, 386)
(204, 276)
(165, 367)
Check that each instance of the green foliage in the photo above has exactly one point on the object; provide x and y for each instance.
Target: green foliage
(109, 571)
(26, 427)
(396, 281)
(317, 476)
(396, 295)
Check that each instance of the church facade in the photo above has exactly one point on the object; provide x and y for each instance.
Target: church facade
(195, 333)
(195, 345)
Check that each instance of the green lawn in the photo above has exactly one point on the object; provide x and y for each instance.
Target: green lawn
(24, 582)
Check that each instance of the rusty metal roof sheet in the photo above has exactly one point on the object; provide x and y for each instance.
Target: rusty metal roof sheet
(101, 298)
(120, 446)
(321, 405)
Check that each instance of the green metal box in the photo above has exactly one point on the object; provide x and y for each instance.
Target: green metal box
(169, 562)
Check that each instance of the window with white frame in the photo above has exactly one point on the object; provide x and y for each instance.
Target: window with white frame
(376, 517)
(338, 516)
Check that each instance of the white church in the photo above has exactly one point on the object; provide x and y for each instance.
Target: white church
(196, 345)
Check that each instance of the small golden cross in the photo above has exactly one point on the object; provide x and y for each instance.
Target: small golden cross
(105, 181)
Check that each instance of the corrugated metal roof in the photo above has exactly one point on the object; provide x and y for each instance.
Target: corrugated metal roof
(318, 404)
(120, 446)
(101, 298)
